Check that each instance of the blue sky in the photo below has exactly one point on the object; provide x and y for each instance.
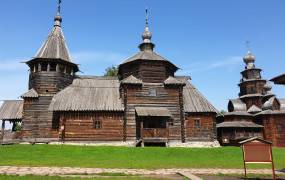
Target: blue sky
(205, 38)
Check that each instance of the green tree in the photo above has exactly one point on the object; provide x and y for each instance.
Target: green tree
(17, 127)
(111, 71)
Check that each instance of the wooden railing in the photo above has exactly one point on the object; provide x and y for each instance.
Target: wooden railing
(154, 132)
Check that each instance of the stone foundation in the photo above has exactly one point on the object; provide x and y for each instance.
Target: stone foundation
(191, 144)
(194, 144)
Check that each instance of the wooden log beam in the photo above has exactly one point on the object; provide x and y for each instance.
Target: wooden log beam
(2, 130)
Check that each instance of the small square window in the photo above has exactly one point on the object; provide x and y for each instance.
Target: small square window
(197, 123)
(152, 92)
(97, 124)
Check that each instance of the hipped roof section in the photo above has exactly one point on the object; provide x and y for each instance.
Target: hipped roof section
(89, 94)
(194, 101)
(11, 110)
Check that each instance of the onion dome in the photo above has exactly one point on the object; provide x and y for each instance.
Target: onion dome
(249, 57)
(146, 36)
(267, 86)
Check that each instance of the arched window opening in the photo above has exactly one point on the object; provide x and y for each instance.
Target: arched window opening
(52, 66)
(44, 66)
(61, 68)
(68, 70)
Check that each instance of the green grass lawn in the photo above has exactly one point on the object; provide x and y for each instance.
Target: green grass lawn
(126, 157)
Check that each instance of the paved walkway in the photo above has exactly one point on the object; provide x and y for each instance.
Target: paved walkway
(42, 171)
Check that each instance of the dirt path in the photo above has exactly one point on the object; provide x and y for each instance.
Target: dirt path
(13, 170)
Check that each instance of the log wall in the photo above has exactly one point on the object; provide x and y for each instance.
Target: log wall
(154, 72)
(274, 129)
(207, 129)
(51, 82)
(37, 120)
(165, 97)
(147, 71)
(79, 126)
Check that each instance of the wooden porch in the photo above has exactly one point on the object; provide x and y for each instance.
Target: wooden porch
(154, 135)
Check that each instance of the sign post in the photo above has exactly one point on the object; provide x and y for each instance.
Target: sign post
(257, 151)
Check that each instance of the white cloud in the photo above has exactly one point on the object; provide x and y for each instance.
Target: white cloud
(229, 63)
(95, 56)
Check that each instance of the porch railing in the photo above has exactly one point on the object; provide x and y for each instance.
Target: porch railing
(154, 132)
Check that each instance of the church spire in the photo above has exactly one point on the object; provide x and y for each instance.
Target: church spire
(146, 36)
(58, 18)
(55, 46)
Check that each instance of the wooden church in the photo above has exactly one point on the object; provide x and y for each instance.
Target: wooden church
(256, 113)
(146, 104)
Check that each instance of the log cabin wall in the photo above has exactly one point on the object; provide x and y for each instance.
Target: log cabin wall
(253, 101)
(238, 118)
(148, 71)
(93, 126)
(165, 97)
(154, 72)
(200, 126)
(274, 129)
(129, 69)
(49, 82)
(37, 120)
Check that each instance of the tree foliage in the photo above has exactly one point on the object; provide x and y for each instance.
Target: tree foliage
(111, 71)
(17, 127)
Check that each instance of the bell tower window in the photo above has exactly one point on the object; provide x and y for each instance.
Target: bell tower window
(61, 68)
(53, 67)
(44, 66)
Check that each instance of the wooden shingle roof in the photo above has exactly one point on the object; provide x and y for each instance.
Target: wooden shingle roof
(89, 94)
(11, 110)
(55, 46)
(153, 111)
(146, 55)
(132, 80)
(194, 101)
(254, 109)
(102, 94)
(30, 94)
(241, 124)
(173, 81)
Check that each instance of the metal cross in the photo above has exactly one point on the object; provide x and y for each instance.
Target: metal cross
(247, 45)
(58, 6)
(146, 16)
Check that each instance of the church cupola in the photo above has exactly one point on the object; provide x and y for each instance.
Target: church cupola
(146, 45)
(252, 86)
(147, 65)
(51, 69)
(249, 59)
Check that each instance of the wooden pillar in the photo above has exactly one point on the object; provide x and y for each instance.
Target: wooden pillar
(57, 67)
(182, 116)
(2, 130)
(39, 67)
(142, 133)
(48, 67)
(125, 113)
